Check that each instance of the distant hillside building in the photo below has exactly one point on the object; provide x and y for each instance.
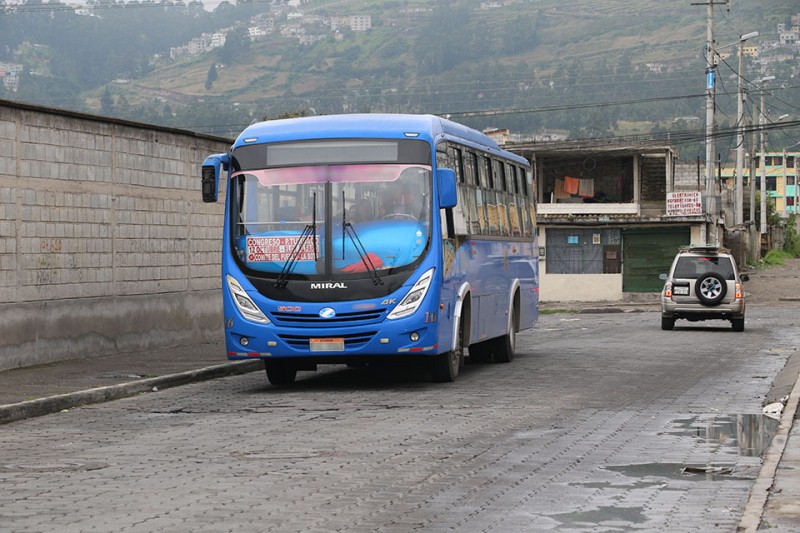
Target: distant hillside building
(354, 22)
(360, 22)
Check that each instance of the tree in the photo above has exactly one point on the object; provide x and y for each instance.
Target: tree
(212, 76)
(237, 45)
(107, 102)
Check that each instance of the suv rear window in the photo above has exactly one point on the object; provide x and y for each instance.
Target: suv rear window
(692, 267)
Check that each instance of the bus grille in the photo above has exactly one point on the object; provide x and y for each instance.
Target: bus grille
(341, 319)
(352, 340)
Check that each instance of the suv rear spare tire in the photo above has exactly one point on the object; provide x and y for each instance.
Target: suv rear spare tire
(710, 289)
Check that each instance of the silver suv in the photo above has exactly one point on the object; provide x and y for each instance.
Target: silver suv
(703, 284)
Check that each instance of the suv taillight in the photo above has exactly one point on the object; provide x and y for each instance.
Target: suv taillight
(668, 290)
(739, 293)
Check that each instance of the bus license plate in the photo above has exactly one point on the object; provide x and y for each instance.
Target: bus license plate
(334, 344)
(681, 291)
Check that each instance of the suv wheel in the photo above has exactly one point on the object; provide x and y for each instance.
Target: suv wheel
(710, 289)
(667, 322)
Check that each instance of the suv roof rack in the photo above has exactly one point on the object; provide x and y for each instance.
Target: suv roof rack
(705, 248)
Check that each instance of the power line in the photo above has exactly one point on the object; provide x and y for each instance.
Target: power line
(500, 112)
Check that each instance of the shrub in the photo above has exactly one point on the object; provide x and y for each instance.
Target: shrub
(776, 257)
(792, 243)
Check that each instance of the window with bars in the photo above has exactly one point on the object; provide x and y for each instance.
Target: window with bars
(583, 251)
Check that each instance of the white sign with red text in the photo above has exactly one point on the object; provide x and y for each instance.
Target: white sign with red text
(685, 203)
(262, 249)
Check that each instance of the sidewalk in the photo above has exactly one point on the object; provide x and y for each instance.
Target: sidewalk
(43, 389)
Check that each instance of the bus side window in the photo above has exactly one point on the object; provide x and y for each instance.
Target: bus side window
(486, 200)
(511, 179)
(499, 174)
(469, 168)
(498, 170)
(460, 213)
(454, 162)
(521, 181)
(444, 160)
(484, 180)
(531, 202)
(513, 211)
(480, 207)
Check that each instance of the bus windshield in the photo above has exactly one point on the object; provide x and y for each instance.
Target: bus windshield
(331, 220)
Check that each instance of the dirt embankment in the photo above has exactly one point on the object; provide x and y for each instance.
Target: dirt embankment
(774, 285)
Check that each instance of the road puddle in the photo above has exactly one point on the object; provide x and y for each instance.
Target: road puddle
(675, 471)
(612, 518)
(750, 434)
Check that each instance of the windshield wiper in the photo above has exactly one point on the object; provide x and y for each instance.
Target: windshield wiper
(350, 231)
(309, 231)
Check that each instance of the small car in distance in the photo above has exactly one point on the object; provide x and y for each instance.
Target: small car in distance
(703, 284)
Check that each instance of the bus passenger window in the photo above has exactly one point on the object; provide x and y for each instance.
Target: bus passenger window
(461, 213)
(469, 168)
(484, 180)
(491, 212)
(477, 214)
(521, 182)
(513, 210)
(498, 171)
(511, 179)
(502, 208)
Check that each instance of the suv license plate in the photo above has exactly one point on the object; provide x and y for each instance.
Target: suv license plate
(681, 291)
(335, 344)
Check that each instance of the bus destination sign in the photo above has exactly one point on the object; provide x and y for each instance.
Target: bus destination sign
(264, 249)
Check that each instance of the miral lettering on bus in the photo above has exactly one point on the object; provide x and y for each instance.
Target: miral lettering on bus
(329, 285)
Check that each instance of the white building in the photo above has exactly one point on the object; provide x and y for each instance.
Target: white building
(360, 22)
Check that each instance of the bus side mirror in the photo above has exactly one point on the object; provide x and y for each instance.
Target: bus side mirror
(446, 180)
(210, 176)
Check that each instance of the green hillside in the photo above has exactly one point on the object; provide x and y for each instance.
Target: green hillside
(560, 64)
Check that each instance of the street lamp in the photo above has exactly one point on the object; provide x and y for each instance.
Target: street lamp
(763, 187)
(738, 192)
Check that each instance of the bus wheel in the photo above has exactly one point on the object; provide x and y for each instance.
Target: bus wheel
(506, 346)
(280, 372)
(481, 352)
(446, 365)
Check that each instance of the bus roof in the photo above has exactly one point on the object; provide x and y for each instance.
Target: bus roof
(366, 125)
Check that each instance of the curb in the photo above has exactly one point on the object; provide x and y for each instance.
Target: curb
(757, 503)
(52, 404)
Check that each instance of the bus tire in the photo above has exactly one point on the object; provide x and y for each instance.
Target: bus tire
(446, 365)
(280, 371)
(506, 346)
(481, 352)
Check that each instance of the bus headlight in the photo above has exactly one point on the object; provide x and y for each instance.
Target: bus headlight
(246, 306)
(413, 299)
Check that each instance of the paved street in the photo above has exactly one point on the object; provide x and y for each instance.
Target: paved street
(603, 422)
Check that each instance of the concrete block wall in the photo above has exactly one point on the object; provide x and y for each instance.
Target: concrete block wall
(105, 244)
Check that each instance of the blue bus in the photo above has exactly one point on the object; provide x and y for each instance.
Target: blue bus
(352, 239)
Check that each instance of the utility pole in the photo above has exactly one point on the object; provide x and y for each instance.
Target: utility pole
(711, 65)
(710, 90)
(761, 120)
(738, 209)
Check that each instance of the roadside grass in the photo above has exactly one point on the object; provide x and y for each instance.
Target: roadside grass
(777, 257)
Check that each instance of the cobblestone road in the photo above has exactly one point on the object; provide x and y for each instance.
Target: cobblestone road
(590, 428)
